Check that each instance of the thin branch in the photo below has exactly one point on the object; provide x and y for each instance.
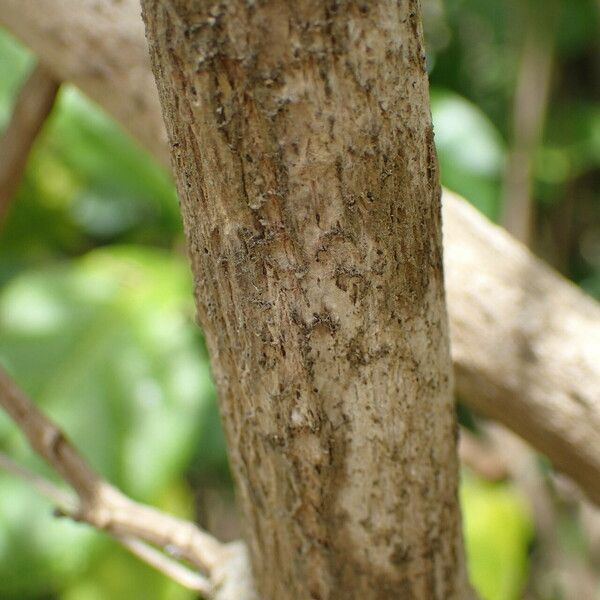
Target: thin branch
(529, 111)
(34, 103)
(63, 501)
(117, 514)
(66, 505)
(48, 441)
(102, 505)
(172, 569)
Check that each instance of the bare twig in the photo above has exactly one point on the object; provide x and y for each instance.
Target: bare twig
(172, 569)
(63, 501)
(101, 504)
(135, 525)
(33, 106)
(529, 111)
(66, 504)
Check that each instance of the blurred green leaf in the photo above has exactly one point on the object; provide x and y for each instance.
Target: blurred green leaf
(479, 61)
(107, 346)
(120, 576)
(123, 186)
(38, 552)
(470, 150)
(86, 183)
(498, 532)
(578, 26)
(572, 144)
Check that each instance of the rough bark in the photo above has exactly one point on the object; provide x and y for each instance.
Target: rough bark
(99, 46)
(303, 151)
(116, 93)
(525, 343)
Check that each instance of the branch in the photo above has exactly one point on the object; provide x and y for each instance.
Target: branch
(172, 569)
(523, 337)
(63, 501)
(528, 114)
(33, 105)
(66, 505)
(99, 46)
(102, 505)
(525, 343)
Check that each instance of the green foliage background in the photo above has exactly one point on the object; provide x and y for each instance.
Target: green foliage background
(97, 318)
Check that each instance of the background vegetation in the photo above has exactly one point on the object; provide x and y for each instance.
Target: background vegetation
(97, 317)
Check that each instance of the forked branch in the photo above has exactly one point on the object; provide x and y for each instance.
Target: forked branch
(221, 569)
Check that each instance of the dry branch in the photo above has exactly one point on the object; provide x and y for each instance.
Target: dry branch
(336, 400)
(525, 343)
(135, 525)
(504, 304)
(99, 46)
(66, 505)
(33, 105)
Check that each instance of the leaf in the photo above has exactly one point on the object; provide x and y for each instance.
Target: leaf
(15, 62)
(86, 183)
(470, 150)
(498, 531)
(106, 345)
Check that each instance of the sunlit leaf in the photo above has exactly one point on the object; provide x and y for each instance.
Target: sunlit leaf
(498, 532)
(470, 150)
(107, 346)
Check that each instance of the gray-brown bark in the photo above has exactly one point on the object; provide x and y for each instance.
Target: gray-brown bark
(97, 45)
(33, 105)
(571, 342)
(526, 343)
(303, 151)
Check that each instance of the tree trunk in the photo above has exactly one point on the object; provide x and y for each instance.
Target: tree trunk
(303, 150)
(483, 368)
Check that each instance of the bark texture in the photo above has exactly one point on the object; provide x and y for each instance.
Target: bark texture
(526, 343)
(303, 150)
(116, 92)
